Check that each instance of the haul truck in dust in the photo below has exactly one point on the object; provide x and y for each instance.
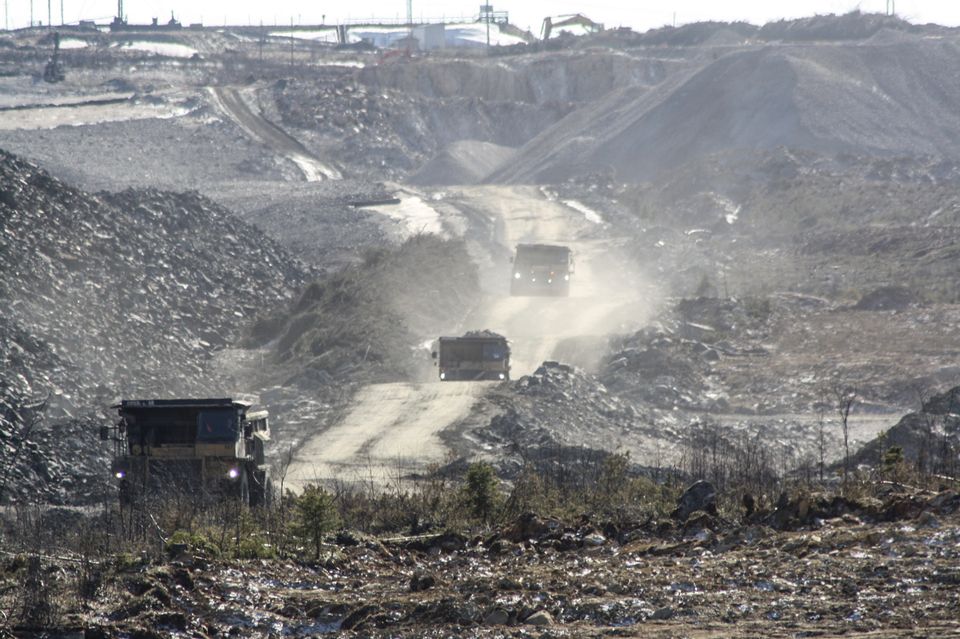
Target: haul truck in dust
(541, 269)
(476, 356)
(201, 447)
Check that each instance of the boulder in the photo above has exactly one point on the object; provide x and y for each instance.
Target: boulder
(700, 495)
(539, 618)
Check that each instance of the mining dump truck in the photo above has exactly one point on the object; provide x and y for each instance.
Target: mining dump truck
(477, 356)
(203, 447)
(541, 269)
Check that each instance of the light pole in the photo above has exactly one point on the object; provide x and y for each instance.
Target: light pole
(486, 10)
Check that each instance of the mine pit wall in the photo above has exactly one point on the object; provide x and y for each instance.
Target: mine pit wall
(561, 78)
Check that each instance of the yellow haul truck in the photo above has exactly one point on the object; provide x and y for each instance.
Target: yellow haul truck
(212, 447)
(480, 355)
(542, 269)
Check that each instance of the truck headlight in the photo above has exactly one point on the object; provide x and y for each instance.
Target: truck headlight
(566, 278)
(233, 473)
(443, 375)
(119, 474)
(502, 376)
(516, 276)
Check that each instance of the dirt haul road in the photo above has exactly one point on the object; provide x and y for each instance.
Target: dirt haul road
(394, 429)
(230, 102)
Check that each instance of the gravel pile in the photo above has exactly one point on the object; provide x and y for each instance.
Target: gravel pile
(116, 295)
(555, 410)
(829, 99)
(389, 132)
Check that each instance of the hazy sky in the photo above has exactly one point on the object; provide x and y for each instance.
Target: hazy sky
(524, 13)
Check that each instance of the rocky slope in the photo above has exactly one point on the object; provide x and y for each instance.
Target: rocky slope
(847, 97)
(125, 294)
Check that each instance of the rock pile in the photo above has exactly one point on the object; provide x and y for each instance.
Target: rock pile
(928, 439)
(134, 289)
(559, 406)
(390, 132)
(118, 295)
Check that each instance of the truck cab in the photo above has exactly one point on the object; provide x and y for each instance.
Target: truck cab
(541, 269)
(473, 357)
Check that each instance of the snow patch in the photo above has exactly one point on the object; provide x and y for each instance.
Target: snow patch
(313, 170)
(591, 215)
(415, 214)
(732, 211)
(352, 64)
(455, 35)
(73, 43)
(52, 117)
(476, 34)
(166, 49)
(318, 35)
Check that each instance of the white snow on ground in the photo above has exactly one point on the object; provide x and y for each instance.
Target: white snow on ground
(73, 43)
(167, 49)
(319, 35)
(590, 214)
(572, 29)
(52, 117)
(353, 64)
(455, 35)
(732, 210)
(414, 213)
(476, 34)
(381, 37)
(313, 170)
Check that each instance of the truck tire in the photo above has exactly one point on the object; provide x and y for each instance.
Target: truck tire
(244, 488)
(261, 489)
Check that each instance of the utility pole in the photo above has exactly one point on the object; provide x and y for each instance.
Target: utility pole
(61, 13)
(291, 42)
(486, 10)
(49, 15)
(6, 15)
(31, 13)
(409, 26)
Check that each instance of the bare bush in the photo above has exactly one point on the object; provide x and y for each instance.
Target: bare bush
(737, 462)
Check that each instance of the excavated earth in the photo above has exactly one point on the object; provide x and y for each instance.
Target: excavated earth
(764, 216)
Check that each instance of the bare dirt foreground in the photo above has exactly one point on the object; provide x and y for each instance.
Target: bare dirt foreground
(393, 429)
(841, 567)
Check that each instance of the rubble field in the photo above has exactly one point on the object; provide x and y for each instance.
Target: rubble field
(812, 567)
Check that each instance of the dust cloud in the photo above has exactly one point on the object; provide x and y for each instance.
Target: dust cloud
(609, 292)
